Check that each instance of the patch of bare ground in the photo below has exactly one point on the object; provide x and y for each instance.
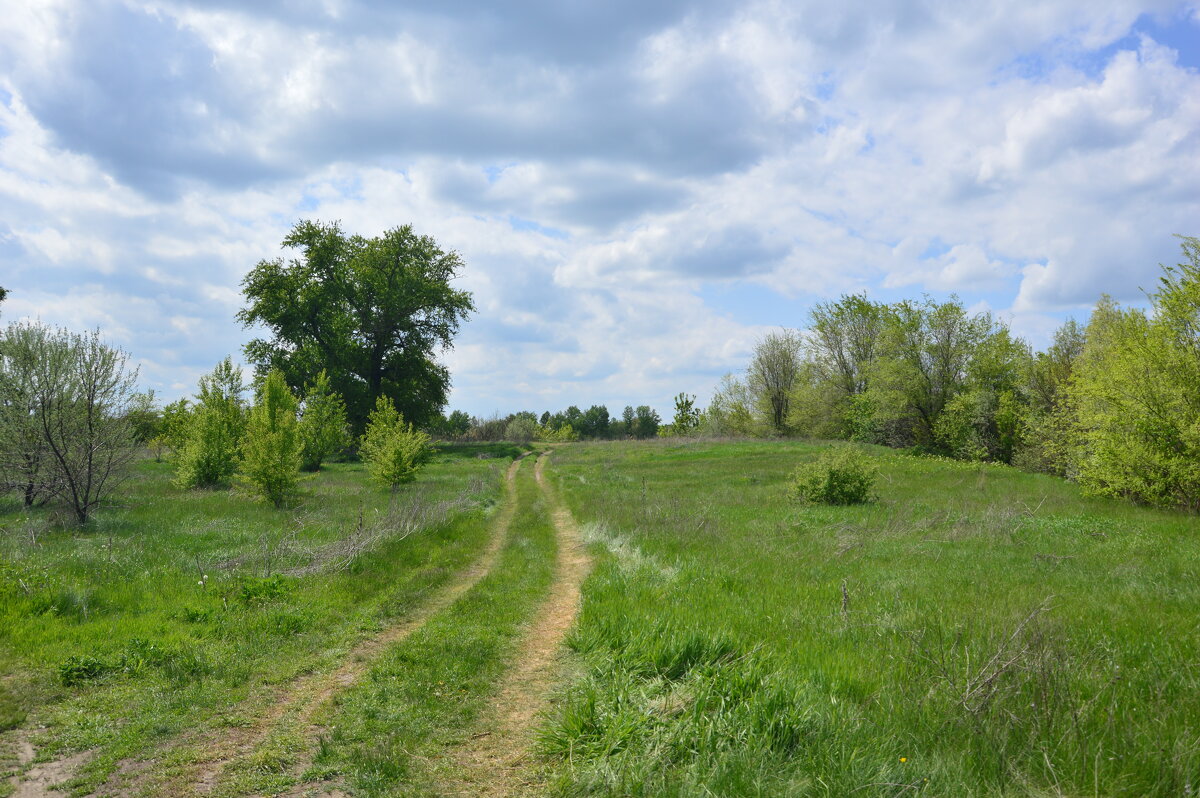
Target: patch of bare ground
(496, 760)
(295, 705)
(43, 780)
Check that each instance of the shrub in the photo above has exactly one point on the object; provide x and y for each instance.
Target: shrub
(393, 450)
(214, 430)
(78, 669)
(323, 424)
(564, 434)
(271, 452)
(841, 475)
(65, 426)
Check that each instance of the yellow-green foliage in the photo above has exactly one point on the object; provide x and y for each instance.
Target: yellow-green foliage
(322, 425)
(1136, 395)
(212, 444)
(564, 434)
(393, 450)
(271, 451)
(840, 475)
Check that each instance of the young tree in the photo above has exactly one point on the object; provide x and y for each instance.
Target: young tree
(172, 428)
(25, 461)
(214, 431)
(145, 417)
(731, 411)
(393, 450)
(373, 312)
(82, 397)
(687, 417)
(272, 445)
(323, 426)
(772, 374)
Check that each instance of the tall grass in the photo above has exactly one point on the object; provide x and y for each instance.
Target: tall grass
(976, 631)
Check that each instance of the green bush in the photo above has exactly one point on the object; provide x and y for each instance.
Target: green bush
(78, 669)
(394, 451)
(271, 445)
(323, 425)
(212, 449)
(841, 475)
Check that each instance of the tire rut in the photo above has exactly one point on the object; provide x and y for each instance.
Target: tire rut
(496, 762)
(299, 702)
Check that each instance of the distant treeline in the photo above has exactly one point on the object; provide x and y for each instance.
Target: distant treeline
(1113, 404)
(595, 423)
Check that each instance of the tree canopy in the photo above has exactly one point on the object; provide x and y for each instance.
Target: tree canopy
(374, 313)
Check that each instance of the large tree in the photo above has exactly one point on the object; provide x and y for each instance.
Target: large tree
(374, 313)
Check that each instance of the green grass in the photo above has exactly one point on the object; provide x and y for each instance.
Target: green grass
(424, 693)
(184, 604)
(976, 631)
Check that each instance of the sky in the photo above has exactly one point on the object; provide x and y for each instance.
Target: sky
(639, 191)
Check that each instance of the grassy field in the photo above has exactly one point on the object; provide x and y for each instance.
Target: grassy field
(193, 605)
(975, 631)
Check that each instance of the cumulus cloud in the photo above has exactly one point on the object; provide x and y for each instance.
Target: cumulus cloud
(602, 170)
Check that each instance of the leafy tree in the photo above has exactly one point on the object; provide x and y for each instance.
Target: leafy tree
(1135, 391)
(927, 350)
(372, 312)
(628, 421)
(323, 426)
(522, 428)
(26, 466)
(687, 416)
(172, 428)
(145, 417)
(772, 374)
(271, 449)
(77, 392)
(646, 422)
(393, 450)
(731, 411)
(457, 424)
(594, 423)
(212, 449)
(844, 340)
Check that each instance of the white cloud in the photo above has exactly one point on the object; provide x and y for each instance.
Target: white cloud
(597, 170)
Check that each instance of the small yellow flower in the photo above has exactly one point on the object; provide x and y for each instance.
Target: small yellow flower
(903, 759)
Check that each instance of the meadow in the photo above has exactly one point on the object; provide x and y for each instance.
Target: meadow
(974, 630)
(179, 611)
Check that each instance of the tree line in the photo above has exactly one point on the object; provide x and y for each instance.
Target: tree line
(1113, 403)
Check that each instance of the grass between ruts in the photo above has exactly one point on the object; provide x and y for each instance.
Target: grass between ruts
(976, 631)
(176, 609)
(423, 694)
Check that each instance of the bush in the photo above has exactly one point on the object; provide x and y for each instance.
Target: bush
(79, 669)
(271, 450)
(394, 451)
(841, 475)
(215, 427)
(323, 425)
